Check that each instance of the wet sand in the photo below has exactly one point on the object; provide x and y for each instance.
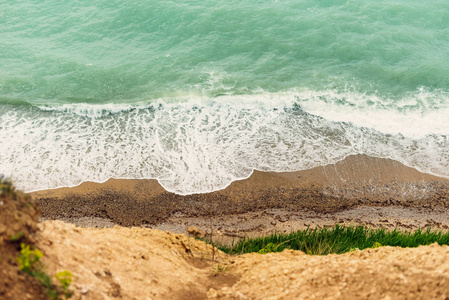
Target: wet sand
(358, 190)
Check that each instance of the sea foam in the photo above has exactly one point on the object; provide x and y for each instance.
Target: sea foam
(198, 145)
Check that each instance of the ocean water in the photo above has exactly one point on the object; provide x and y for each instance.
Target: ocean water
(197, 94)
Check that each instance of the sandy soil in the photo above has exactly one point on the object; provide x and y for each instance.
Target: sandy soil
(140, 263)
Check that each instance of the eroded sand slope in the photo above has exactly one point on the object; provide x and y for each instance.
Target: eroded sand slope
(139, 263)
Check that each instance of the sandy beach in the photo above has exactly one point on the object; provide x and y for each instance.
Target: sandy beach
(358, 190)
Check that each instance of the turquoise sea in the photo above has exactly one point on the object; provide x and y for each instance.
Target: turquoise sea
(197, 94)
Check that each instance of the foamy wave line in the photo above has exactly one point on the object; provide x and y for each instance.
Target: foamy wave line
(93, 110)
(198, 146)
(266, 100)
(415, 115)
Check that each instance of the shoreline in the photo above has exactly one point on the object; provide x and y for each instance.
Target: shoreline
(358, 190)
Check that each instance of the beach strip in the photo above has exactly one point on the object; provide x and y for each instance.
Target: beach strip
(358, 190)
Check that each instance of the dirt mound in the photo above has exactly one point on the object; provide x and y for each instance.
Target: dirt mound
(140, 263)
(132, 263)
(18, 224)
(382, 273)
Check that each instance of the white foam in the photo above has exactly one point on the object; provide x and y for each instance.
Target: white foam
(200, 145)
(93, 110)
(415, 115)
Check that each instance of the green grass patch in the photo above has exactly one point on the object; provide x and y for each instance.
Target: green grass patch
(30, 264)
(336, 240)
